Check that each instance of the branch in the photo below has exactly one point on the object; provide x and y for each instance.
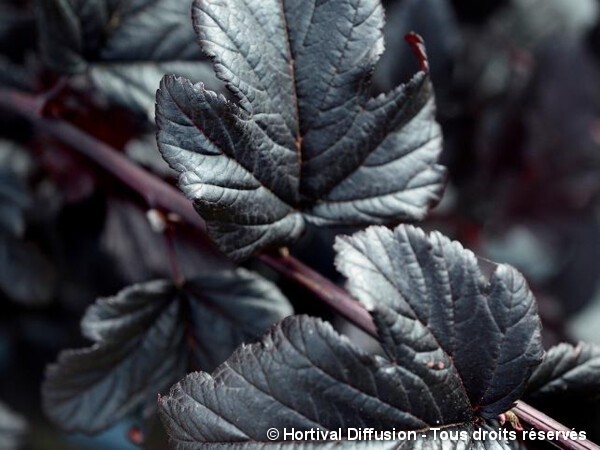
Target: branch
(332, 295)
(160, 194)
(540, 421)
(155, 191)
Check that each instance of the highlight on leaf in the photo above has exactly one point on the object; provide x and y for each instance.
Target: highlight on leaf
(459, 350)
(303, 140)
(148, 336)
(566, 386)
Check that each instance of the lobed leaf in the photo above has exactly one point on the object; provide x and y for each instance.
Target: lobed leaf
(305, 141)
(138, 351)
(429, 300)
(425, 443)
(148, 336)
(301, 375)
(569, 371)
(231, 308)
(566, 387)
(431, 305)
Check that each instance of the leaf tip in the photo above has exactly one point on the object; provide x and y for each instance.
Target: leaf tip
(418, 47)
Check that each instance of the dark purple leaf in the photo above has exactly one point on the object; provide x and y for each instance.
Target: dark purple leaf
(148, 336)
(459, 351)
(566, 386)
(125, 46)
(426, 441)
(301, 375)
(231, 307)
(567, 372)
(139, 349)
(438, 316)
(305, 141)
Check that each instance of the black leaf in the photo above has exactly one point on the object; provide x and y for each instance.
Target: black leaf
(139, 350)
(566, 385)
(440, 317)
(231, 307)
(568, 371)
(305, 140)
(430, 302)
(302, 375)
(144, 342)
(124, 46)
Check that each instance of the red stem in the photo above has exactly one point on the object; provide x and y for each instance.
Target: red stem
(332, 295)
(540, 421)
(176, 272)
(161, 195)
(157, 193)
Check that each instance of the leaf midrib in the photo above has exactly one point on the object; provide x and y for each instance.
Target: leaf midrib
(298, 138)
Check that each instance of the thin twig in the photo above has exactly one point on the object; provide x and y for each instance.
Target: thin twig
(161, 195)
(176, 272)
